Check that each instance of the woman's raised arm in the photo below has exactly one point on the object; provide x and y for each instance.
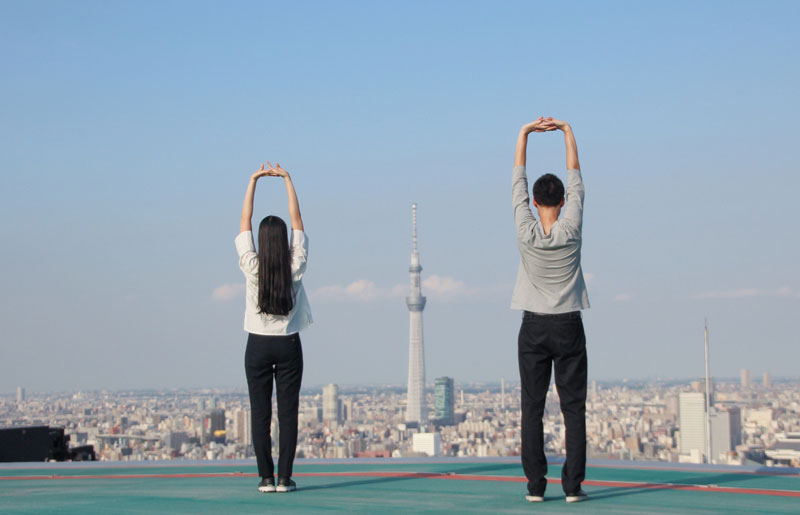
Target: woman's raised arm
(294, 206)
(247, 209)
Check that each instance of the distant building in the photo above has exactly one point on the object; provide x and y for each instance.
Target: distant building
(20, 394)
(427, 443)
(671, 406)
(633, 444)
(78, 438)
(243, 426)
(175, 439)
(766, 380)
(347, 409)
(745, 376)
(726, 432)
(217, 420)
(312, 414)
(785, 450)
(761, 417)
(331, 405)
(692, 422)
(445, 400)
(215, 426)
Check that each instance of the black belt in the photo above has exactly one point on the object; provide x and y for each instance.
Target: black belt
(552, 316)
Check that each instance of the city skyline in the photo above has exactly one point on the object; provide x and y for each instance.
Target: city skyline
(750, 425)
(130, 139)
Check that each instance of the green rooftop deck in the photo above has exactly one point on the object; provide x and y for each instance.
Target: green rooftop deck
(384, 486)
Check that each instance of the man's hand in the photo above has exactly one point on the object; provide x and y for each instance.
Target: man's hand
(539, 125)
(552, 124)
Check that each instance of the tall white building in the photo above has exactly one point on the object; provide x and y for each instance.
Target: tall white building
(692, 422)
(415, 411)
(745, 376)
(20, 394)
(331, 406)
(242, 426)
(766, 380)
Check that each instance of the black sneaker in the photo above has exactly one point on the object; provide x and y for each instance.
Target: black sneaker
(578, 496)
(267, 485)
(286, 484)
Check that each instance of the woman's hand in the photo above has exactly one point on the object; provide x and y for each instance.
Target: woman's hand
(552, 124)
(260, 173)
(277, 171)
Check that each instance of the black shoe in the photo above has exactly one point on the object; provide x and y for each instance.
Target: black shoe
(267, 485)
(286, 484)
(578, 496)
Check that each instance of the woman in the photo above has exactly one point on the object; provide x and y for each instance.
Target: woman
(276, 310)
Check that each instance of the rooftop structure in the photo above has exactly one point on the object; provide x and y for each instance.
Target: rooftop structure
(386, 485)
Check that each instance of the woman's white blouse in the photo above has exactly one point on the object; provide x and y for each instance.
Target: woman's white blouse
(300, 316)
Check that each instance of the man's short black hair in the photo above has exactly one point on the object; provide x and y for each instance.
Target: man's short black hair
(548, 190)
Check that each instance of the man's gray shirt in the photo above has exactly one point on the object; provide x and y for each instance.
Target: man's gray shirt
(550, 279)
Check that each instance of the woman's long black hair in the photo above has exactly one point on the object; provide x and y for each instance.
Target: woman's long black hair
(274, 268)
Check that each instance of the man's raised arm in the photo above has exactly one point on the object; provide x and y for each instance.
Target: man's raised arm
(551, 123)
(573, 207)
(520, 200)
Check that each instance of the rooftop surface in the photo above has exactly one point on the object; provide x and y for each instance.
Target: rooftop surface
(433, 485)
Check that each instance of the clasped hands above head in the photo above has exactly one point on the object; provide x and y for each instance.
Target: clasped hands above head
(270, 171)
(543, 124)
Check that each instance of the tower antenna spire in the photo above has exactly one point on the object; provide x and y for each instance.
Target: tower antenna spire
(414, 222)
(708, 398)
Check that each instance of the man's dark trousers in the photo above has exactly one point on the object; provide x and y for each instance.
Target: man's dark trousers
(544, 341)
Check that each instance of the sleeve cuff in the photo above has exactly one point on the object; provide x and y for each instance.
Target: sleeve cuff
(244, 242)
(298, 237)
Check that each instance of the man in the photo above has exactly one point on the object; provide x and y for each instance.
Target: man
(551, 292)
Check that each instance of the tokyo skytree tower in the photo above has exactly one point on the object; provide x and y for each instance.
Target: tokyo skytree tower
(415, 411)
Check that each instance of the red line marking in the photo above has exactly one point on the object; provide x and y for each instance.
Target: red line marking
(696, 488)
(429, 475)
(687, 469)
(131, 476)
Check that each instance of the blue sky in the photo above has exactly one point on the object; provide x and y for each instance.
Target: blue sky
(129, 130)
